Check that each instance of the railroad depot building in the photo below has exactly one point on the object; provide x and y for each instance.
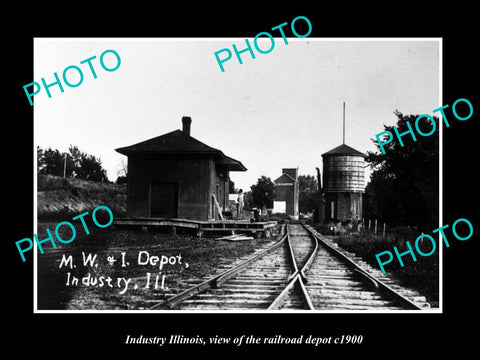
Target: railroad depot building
(287, 193)
(177, 176)
(343, 184)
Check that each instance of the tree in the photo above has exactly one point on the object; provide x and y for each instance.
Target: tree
(121, 180)
(404, 183)
(90, 168)
(78, 164)
(308, 198)
(52, 162)
(75, 155)
(262, 193)
(122, 172)
(378, 201)
(40, 155)
(248, 199)
(231, 187)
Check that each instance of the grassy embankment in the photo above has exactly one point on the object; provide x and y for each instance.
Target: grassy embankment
(421, 274)
(59, 198)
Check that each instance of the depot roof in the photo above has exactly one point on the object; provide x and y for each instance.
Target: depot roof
(179, 142)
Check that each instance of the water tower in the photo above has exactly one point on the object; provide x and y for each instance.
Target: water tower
(343, 183)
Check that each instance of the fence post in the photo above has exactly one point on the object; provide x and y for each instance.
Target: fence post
(384, 230)
(375, 227)
(369, 223)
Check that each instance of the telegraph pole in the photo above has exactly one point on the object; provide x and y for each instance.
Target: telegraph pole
(344, 123)
(65, 166)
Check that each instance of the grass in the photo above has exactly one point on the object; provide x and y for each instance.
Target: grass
(59, 198)
(421, 274)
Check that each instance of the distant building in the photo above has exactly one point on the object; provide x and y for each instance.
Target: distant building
(287, 193)
(176, 176)
(343, 184)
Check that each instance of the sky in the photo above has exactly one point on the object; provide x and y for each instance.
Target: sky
(280, 110)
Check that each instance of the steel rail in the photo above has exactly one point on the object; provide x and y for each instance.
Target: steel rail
(297, 276)
(282, 296)
(309, 262)
(378, 284)
(292, 257)
(217, 280)
(306, 295)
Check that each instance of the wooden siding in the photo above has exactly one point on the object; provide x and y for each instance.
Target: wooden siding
(343, 173)
(346, 207)
(191, 174)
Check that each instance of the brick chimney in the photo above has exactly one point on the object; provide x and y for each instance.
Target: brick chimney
(186, 121)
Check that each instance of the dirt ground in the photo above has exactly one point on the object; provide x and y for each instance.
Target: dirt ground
(125, 269)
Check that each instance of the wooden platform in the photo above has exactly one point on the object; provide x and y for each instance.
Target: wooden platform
(232, 226)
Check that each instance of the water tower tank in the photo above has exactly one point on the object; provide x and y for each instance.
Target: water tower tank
(343, 184)
(343, 170)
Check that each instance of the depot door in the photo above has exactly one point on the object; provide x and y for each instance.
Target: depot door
(163, 199)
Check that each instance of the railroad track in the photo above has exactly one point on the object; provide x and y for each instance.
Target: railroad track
(301, 271)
